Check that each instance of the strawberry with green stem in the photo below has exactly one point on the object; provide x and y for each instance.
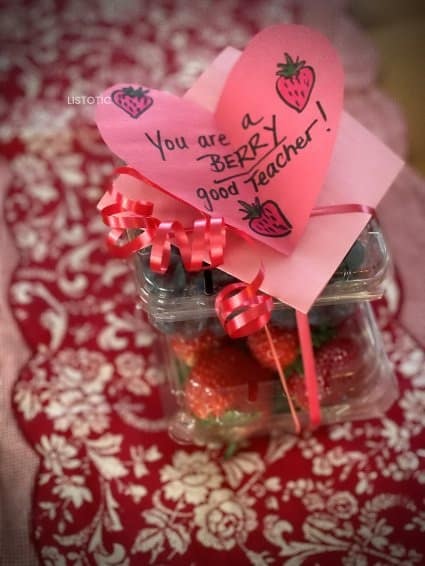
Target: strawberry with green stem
(266, 218)
(188, 349)
(295, 82)
(285, 343)
(225, 381)
(133, 101)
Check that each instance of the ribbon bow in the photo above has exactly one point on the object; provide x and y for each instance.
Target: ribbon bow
(201, 246)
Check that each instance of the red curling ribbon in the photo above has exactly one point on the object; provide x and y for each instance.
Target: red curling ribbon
(201, 244)
(208, 235)
(161, 248)
(194, 248)
(167, 233)
(342, 209)
(123, 251)
(241, 309)
(216, 240)
(117, 219)
(140, 209)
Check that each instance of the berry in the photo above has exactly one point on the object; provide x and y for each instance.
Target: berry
(224, 379)
(170, 284)
(221, 279)
(283, 317)
(330, 315)
(337, 367)
(285, 342)
(354, 259)
(338, 357)
(189, 349)
(298, 392)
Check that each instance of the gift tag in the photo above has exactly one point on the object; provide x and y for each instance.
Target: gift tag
(260, 161)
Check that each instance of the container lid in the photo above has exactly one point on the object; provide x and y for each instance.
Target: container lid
(180, 295)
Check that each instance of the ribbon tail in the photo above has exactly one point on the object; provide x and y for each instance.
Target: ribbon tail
(242, 309)
(124, 250)
(295, 419)
(342, 209)
(310, 374)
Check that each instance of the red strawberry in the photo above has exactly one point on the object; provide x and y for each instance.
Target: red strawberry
(224, 379)
(338, 357)
(188, 349)
(298, 392)
(133, 101)
(285, 342)
(266, 219)
(295, 82)
(337, 366)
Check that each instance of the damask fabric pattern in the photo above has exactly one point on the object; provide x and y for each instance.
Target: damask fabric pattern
(112, 488)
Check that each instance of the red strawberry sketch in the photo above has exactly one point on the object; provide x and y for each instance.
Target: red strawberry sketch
(133, 101)
(266, 219)
(295, 82)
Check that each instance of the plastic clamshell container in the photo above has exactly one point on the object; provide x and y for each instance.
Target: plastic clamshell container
(354, 375)
(178, 295)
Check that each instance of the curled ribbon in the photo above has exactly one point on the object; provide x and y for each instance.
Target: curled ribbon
(241, 309)
(203, 243)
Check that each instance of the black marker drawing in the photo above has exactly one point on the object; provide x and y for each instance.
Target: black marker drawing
(295, 82)
(133, 101)
(266, 219)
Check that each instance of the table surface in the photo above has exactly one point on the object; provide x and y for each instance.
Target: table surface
(102, 482)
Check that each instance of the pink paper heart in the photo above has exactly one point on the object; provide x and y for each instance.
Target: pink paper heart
(261, 160)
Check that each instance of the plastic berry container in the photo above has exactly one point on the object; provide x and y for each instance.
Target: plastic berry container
(178, 295)
(225, 389)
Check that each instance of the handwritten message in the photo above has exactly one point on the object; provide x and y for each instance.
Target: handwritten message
(260, 160)
(264, 155)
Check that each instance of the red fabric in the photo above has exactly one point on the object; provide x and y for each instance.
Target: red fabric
(112, 487)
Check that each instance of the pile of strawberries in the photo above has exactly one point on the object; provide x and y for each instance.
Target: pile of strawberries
(239, 375)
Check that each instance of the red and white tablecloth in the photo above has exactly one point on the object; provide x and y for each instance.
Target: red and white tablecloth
(102, 483)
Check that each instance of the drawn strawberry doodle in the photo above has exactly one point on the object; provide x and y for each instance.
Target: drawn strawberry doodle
(266, 219)
(133, 101)
(295, 82)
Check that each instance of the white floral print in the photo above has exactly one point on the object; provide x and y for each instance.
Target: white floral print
(72, 488)
(52, 557)
(343, 505)
(413, 404)
(224, 520)
(131, 367)
(57, 453)
(190, 477)
(78, 402)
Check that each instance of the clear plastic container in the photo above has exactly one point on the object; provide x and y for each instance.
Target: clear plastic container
(226, 390)
(222, 389)
(177, 296)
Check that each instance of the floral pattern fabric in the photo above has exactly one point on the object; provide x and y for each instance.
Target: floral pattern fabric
(112, 487)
